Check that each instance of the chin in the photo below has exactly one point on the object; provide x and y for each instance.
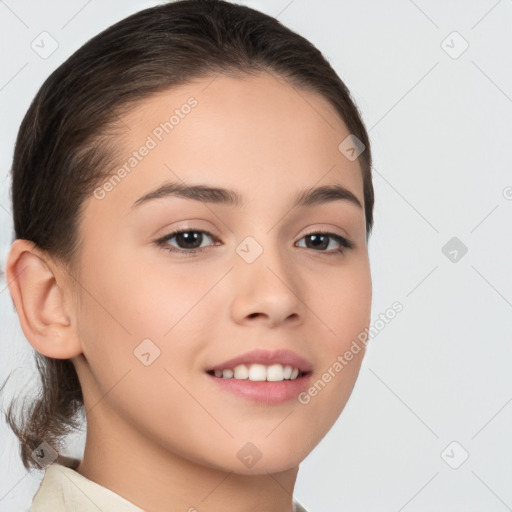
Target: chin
(270, 465)
(247, 458)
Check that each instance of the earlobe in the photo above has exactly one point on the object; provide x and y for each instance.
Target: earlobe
(38, 297)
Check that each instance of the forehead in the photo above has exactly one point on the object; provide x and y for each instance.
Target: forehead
(256, 134)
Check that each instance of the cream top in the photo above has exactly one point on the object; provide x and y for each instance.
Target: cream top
(63, 489)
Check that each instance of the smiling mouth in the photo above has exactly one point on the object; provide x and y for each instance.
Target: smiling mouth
(260, 373)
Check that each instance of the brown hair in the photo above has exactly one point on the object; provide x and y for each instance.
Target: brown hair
(65, 144)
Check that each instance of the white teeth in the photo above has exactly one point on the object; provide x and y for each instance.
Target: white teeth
(241, 372)
(287, 372)
(275, 372)
(259, 372)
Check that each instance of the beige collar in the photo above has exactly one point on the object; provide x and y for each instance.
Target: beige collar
(63, 490)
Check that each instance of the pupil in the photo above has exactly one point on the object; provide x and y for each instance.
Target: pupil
(316, 238)
(190, 241)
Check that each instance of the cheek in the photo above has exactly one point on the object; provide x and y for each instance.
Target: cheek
(143, 297)
(131, 309)
(342, 302)
(343, 309)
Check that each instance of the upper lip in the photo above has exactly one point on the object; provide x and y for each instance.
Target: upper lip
(266, 357)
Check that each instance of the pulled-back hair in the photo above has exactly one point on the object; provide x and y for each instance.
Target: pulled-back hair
(66, 142)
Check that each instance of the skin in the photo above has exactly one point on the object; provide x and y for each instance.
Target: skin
(163, 436)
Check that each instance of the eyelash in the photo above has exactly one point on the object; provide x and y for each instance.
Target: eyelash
(345, 244)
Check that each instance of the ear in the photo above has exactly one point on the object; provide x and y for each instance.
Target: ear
(38, 291)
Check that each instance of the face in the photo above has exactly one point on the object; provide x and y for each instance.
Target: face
(159, 312)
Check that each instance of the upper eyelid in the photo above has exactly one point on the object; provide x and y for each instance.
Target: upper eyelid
(173, 233)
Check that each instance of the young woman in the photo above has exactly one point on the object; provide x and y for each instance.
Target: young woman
(192, 201)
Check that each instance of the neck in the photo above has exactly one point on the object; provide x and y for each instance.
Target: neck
(155, 479)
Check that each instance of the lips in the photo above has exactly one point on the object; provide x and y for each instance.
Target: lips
(266, 357)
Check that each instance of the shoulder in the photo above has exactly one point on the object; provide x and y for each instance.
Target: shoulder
(63, 489)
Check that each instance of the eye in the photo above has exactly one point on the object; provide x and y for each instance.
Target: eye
(322, 240)
(187, 240)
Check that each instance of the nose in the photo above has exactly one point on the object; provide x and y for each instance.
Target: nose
(267, 291)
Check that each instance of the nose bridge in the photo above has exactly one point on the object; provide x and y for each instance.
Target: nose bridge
(265, 282)
(261, 256)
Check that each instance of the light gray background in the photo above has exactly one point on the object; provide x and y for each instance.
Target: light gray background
(441, 129)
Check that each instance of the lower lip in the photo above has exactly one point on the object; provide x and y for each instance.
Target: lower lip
(264, 392)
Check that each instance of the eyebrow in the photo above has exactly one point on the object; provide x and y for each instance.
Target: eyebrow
(205, 193)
